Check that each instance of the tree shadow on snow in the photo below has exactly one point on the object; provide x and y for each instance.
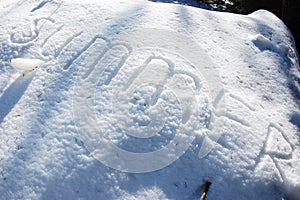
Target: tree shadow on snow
(184, 2)
(192, 3)
(295, 120)
(13, 94)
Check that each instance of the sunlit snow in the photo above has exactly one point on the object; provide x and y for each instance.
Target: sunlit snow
(146, 100)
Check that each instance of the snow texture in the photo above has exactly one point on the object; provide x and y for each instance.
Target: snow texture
(26, 65)
(146, 100)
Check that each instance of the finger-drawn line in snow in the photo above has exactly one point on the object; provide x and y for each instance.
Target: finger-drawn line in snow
(273, 144)
(38, 28)
(33, 33)
(216, 124)
(91, 53)
(51, 44)
(166, 78)
(51, 35)
(57, 43)
(239, 101)
(242, 101)
(67, 41)
(121, 102)
(34, 29)
(234, 117)
(107, 108)
(277, 147)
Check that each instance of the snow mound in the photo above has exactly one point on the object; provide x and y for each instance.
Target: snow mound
(25, 64)
(140, 99)
(264, 43)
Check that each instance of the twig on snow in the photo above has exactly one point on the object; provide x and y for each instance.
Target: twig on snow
(207, 185)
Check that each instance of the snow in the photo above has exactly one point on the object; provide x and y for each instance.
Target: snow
(26, 65)
(146, 100)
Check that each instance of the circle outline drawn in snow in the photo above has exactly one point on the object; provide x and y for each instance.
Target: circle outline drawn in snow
(159, 45)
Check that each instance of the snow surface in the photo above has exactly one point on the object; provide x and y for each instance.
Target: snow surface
(26, 64)
(146, 100)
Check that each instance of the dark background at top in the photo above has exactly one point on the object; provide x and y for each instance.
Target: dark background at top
(287, 10)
